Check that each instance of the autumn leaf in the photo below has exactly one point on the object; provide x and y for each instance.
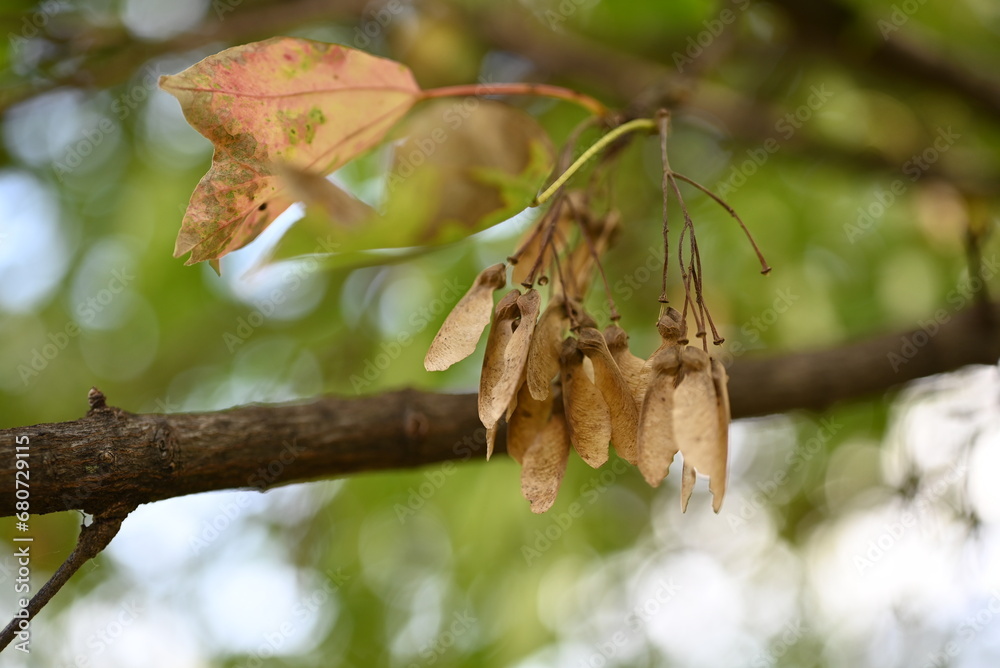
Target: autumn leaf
(311, 105)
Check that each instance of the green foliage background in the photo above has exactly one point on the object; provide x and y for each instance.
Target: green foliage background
(471, 547)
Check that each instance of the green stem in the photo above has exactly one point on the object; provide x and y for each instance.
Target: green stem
(543, 90)
(637, 124)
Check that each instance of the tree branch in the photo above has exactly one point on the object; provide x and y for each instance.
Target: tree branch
(112, 458)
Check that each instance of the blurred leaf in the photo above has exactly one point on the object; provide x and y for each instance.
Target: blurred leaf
(451, 176)
(311, 105)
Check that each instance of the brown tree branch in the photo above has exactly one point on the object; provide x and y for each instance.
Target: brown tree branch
(112, 458)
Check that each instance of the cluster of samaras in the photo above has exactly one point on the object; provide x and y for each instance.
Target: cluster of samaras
(561, 383)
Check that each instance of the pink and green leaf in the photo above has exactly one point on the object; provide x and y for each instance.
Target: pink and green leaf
(310, 105)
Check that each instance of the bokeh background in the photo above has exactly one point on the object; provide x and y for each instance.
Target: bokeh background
(868, 535)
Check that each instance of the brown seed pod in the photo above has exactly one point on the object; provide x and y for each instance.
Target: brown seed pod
(543, 354)
(587, 414)
(616, 393)
(526, 422)
(657, 445)
(505, 372)
(462, 329)
(697, 421)
(544, 464)
(669, 327)
(718, 481)
(501, 332)
(688, 478)
(629, 364)
(580, 265)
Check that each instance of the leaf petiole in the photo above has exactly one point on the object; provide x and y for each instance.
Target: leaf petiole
(592, 105)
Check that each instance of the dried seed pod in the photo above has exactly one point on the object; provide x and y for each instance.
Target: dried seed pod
(526, 422)
(629, 364)
(580, 265)
(491, 439)
(669, 327)
(531, 245)
(717, 482)
(587, 414)
(657, 445)
(505, 371)
(501, 332)
(543, 354)
(616, 393)
(462, 329)
(688, 478)
(697, 421)
(544, 464)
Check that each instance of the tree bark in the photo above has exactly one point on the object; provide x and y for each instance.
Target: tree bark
(112, 457)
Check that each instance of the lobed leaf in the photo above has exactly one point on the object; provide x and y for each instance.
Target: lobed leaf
(308, 104)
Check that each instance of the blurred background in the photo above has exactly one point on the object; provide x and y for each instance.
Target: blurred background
(859, 140)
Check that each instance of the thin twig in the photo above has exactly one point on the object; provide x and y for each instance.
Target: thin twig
(663, 119)
(92, 540)
(765, 268)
